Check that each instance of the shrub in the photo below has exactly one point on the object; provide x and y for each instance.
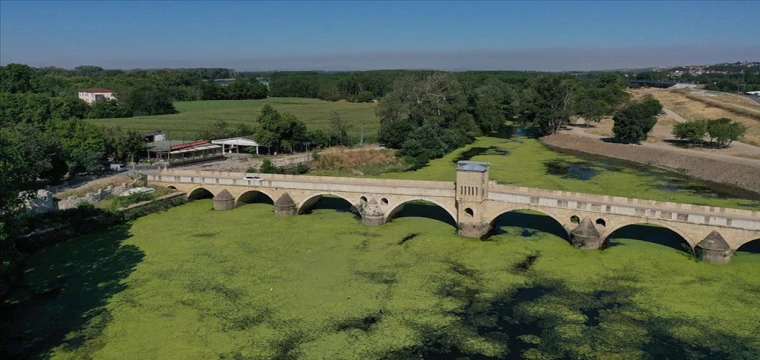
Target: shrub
(692, 131)
(268, 168)
(252, 169)
(724, 131)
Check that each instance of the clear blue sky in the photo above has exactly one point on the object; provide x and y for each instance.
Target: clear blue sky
(269, 35)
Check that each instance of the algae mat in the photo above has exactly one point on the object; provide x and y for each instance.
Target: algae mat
(192, 283)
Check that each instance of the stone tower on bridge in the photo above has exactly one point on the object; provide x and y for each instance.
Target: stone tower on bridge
(471, 192)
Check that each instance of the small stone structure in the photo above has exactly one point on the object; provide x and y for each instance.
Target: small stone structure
(92, 198)
(285, 206)
(42, 203)
(224, 201)
(714, 248)
(586, 236)
(372, 214)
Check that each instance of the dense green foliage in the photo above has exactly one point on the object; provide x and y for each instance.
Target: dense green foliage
(281, 132)
(323, 286)
(427, 118)
(634, 122)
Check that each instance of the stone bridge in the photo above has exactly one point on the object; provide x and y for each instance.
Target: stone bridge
(474, 202)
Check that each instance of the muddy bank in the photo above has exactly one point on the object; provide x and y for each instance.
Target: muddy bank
(736, 175)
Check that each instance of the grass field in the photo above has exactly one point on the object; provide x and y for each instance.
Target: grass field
(194, 283)
(194, 116)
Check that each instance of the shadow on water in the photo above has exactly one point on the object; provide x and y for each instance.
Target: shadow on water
(62, 298)
(511, 324)
(330, 203)
(752, 247)
(571, 170)
(469, 154)
(651, 234)
(527, 224)
(254, 197)
(423, 209)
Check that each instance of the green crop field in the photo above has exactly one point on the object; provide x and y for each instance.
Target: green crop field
(194, 116)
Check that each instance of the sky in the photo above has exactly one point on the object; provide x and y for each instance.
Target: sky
(363, 35)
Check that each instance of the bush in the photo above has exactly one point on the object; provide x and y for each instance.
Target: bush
(252, 169)
(724, 131)
(692, 131)
(268, 168)
(302, 169)
(124, 201)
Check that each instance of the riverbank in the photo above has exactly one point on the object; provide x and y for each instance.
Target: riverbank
(720, 172)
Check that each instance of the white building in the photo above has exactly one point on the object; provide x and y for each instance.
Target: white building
(236, 143)
(92, 94)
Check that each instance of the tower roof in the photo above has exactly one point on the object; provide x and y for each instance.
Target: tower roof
(714, 241)
(474, 166)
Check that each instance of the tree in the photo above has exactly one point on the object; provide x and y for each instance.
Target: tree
(107, 109)
(549, 102)
(17, 78)
(338, 133)
(27, 108)
(724, 131)
(82, 143)
(69, 107)
(365, 96)
(130, 144)
(437, 104)
(634, 122)
(148, 100)
(280, 131)
(692, 131)
(490, 105)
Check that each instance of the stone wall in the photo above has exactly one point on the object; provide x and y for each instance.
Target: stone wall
(92, 198)
(42, 203)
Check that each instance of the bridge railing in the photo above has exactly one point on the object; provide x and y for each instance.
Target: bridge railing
(622, 201)
(313, 179)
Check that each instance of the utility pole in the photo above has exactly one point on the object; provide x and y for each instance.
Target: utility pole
(361, 132)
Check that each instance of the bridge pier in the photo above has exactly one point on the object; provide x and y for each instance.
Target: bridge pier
(714, 249)
(285, 206)
(372, 214)
(586, 236)
(473, 230)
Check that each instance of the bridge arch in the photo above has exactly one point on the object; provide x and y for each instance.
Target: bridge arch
(309, 201)
(561, 222)
(692, 242)
(253, 194)
(751, 245)
(397, 207)
(199, 192)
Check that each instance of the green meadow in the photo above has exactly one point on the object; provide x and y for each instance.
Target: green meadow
(194, 283)
(194, 116)
(523, 161)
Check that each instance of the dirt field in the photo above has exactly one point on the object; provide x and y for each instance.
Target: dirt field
(693, 110)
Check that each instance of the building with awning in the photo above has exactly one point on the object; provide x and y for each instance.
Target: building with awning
(196, 151)
(234, 144)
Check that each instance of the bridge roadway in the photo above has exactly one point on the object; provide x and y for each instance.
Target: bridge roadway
(474, 202)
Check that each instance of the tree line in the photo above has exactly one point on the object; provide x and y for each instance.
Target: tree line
(138, 92)
(427, 117)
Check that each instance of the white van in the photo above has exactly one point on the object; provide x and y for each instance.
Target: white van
(118, 167)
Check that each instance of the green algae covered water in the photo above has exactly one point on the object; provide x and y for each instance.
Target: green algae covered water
(194, 283)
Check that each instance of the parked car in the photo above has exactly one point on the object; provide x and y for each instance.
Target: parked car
(118, 167)
(254, 178)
